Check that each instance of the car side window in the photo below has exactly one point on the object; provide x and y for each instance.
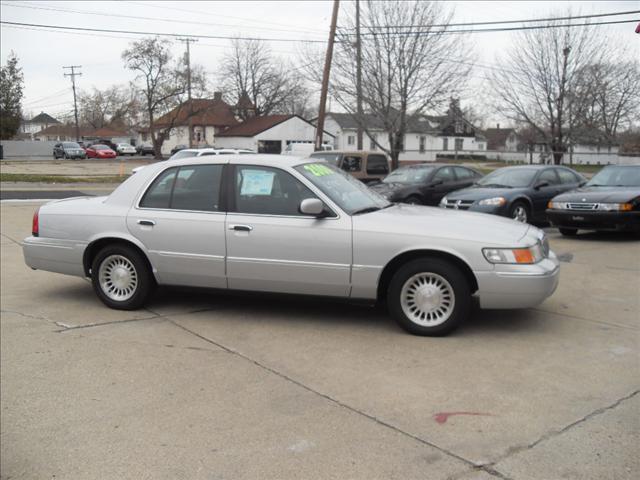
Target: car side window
(445, 174)
(351, 163)
(464, 173)
(549, 175)
(192, 187)
(567, 176)
(268, 191)
(377, 165)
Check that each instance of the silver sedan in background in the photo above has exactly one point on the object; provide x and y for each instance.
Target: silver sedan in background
(290, 225)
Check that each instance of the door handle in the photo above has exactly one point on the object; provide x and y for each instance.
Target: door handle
(148, 223)
(241, 228)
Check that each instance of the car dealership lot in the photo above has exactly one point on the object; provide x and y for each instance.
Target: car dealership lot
(209, 385)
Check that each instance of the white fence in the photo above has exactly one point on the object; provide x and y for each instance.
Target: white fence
(26, 149)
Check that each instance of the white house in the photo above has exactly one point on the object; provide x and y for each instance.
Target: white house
(269, 133)
(426, 137)
(37, 124)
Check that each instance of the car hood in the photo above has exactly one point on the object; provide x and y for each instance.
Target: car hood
(439, 223)
(600, 194)
(480, 193)
(388, 187)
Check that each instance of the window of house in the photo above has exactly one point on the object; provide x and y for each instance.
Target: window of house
(445, 144)
(191, 187)
(372, 144)
(377, 165)
(459, 143)
(268, 191)
(423, 143)
(351, 139)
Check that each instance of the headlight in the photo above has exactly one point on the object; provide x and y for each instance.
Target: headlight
(615, 207)
(499, 201)
(514, 255)
(558, 205)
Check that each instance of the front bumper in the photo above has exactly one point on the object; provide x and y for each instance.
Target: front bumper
(518, 286)
(54, 255)
(614, 221)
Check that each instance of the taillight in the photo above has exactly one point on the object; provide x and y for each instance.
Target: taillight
(35, 227)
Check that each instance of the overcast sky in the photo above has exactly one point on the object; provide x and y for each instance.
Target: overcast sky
(43, 53)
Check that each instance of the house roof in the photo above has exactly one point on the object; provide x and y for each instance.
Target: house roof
(256, 125)
(427, 124)
(43, 118)
(497, 137)
(216, 113)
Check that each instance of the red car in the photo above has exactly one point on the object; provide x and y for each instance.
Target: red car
(100, 151)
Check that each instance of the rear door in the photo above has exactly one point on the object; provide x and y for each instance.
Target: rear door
(542, 195)
(377, 167)
(180, 220)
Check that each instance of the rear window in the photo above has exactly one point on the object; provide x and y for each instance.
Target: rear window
(377, 165)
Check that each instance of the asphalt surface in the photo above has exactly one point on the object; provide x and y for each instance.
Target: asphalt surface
(214, 386)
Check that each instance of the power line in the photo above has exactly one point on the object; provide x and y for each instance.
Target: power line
(161, 34)
(136, 17)
(503, 22)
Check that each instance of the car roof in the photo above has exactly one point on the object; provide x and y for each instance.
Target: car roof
(268, 160)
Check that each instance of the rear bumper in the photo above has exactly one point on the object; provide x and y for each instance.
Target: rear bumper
(614, 221)
(518, 286)
(53, 255)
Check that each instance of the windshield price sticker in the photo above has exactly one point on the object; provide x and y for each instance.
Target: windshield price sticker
(318, 170)
(257, 182)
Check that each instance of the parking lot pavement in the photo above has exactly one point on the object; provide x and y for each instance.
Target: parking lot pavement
(206, 385)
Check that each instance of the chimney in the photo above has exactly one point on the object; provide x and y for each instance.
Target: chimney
(498, 126)
(217, 96)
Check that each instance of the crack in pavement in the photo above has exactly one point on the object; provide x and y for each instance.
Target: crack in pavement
(27, 315)
(555, 433)
(575, 317)
(488, 468)
(11, 239)
(67, 328)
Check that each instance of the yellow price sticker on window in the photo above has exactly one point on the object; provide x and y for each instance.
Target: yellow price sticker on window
(318, 170)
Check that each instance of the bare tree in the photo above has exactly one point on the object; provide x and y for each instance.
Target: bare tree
(254, 79)
(162, 84)
(537, 81)
(114, 105)
(405, 72)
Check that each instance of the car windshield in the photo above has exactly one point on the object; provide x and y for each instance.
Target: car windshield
(70, 145)
(350, 194)
(616, 176)
(509, 177)
(409, 175)
(332, 158)
(185, 154)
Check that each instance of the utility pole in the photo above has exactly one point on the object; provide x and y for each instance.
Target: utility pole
(359, 75)
(188, 41)
(325, 76)
(73, 75)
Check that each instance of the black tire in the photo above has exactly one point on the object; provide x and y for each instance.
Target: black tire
(442, 269)
(520, 208)
(413, 200)
(568, 232)
(145, 282)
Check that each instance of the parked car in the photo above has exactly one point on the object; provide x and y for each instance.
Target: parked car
(177, 148)
(609, 201)
(282, 224)
(425, 183)
(100, 151)
(521, 192)
(68, 150)
(203, 152)
(365, 166)
(125, 149)
(145, 149)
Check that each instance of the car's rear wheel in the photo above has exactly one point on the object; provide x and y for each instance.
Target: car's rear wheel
(568, 232)
(520, 212)
(429, 297)
(413, 199)
(121, 277)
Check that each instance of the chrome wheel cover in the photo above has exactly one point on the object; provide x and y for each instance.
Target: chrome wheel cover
(427, 299)
(118, 278)
(519, 214)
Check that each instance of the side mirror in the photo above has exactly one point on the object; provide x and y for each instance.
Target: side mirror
(539, 185)
(311, 206)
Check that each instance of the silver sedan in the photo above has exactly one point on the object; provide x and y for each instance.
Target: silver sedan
(286, 224)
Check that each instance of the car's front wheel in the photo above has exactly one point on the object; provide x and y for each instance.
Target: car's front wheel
(429, 297)
(520, 212)
(121, 277)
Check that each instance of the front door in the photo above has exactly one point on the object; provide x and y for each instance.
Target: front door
(180, 221)
(272, 247)
(542, 195)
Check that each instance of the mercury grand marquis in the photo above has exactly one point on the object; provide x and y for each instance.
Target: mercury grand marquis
(290, 225)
